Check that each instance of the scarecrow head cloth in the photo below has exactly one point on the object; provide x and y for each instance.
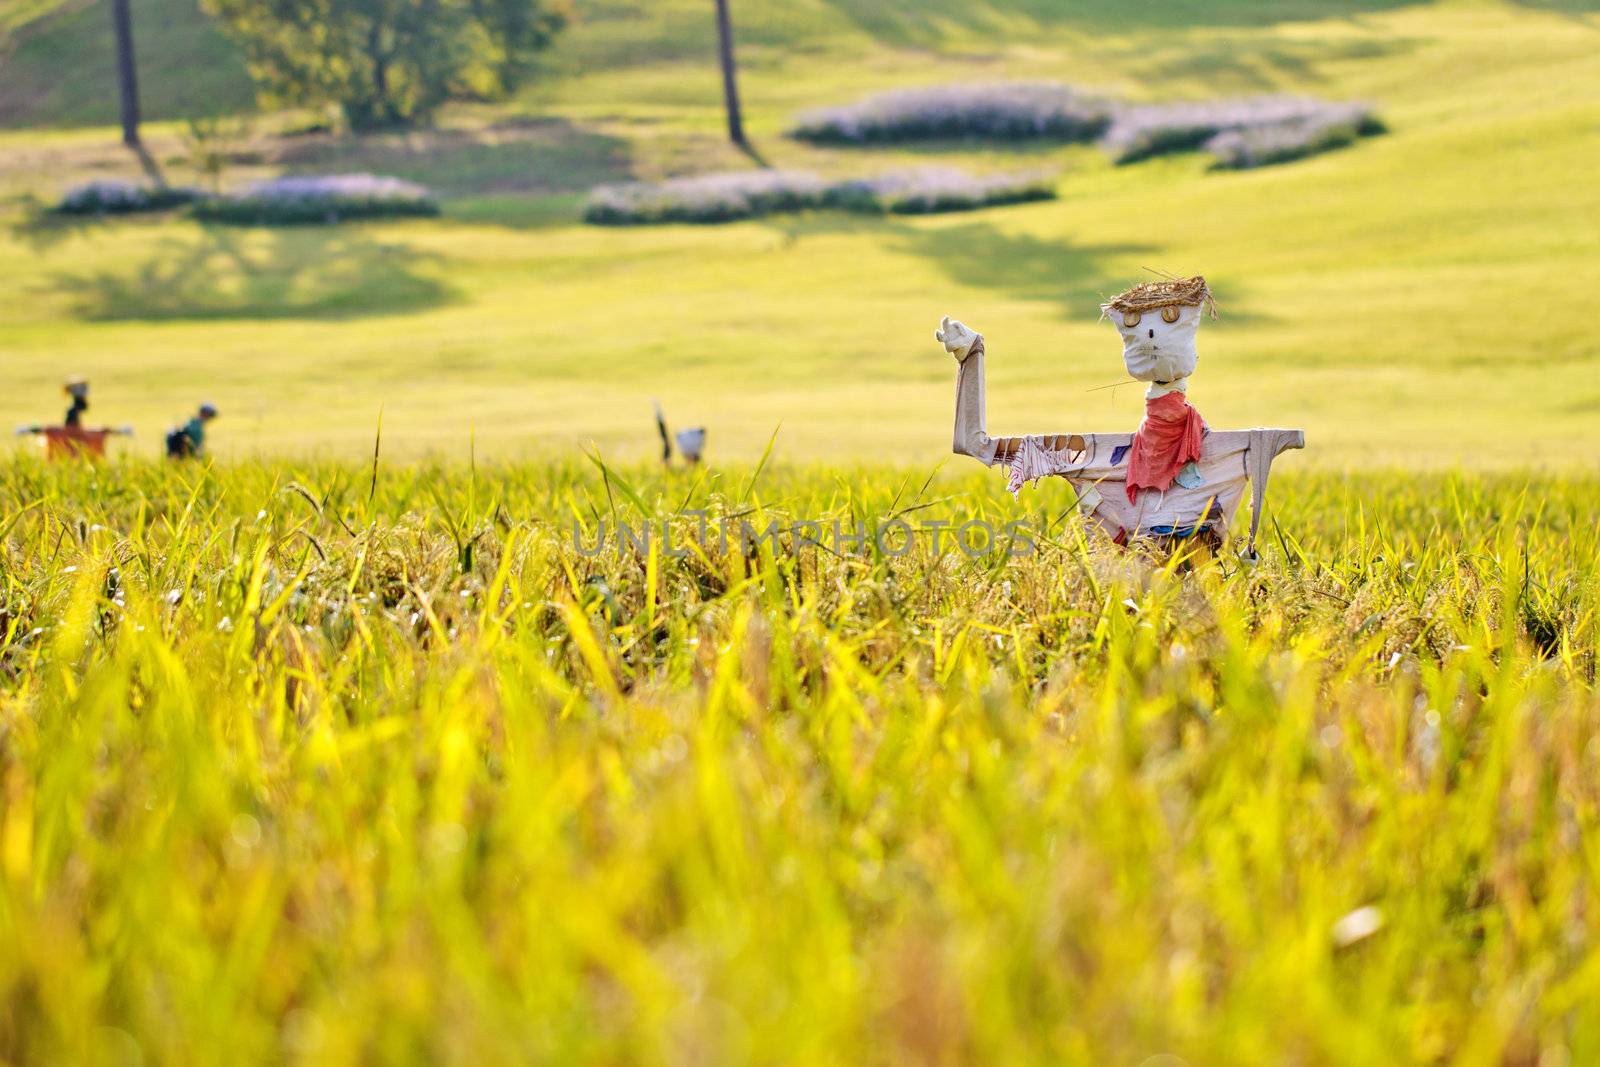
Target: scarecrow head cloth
(1158, 321)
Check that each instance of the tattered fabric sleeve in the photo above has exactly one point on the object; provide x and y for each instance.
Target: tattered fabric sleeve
(971, 434)
(1265, 446)
(971, 437)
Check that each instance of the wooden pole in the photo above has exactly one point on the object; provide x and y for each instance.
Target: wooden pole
(127, 76)
(730, 84)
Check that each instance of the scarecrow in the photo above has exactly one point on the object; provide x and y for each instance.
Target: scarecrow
(691, 442)
(1175, 479)
(72, 439)
(77, 390)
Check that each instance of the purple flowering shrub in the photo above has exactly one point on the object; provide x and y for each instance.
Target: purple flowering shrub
(115, 196)
(705, 198)
(749, 194)
(931, 190)
(1139, 132)
(999, 111)
(297, 200)
(1244, 132)
(1259, 146)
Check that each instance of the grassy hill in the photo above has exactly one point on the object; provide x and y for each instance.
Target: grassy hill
(58, 64)
(1409, 300)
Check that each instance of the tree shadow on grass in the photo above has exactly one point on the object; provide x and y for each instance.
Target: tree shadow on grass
(516, 155)
(1212, 65)
(291, 273)
(1563, 7)
(1217, 65)
(973, 251)
(40, 230)
(923, 23)
(1074, 277)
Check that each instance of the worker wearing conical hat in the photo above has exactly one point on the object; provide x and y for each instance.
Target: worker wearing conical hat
(189, 440)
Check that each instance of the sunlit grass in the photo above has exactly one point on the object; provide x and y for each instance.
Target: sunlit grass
(310, 764)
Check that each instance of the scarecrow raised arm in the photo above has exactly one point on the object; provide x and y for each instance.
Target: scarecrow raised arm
(971, 436)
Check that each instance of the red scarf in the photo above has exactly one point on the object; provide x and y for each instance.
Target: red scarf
(1168, 438)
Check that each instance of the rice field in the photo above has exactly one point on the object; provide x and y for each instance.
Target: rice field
(371, 763)
(1406, 300)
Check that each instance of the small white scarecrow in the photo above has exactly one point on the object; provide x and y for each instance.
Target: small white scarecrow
(1175, 478)
(691, 442)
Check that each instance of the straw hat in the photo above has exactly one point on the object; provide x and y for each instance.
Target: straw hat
(1176, 292)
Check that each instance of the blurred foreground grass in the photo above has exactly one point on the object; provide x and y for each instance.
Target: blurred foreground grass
(299, 763)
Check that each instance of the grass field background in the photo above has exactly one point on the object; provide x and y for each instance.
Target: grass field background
(1420, 298)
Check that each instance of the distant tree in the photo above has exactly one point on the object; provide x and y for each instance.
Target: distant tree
(389, 62)
(213, 141)
(730, 81)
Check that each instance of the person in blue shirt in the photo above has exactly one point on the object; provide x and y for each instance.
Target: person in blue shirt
(189, 440)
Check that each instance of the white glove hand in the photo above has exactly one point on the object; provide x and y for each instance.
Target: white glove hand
(957, 339)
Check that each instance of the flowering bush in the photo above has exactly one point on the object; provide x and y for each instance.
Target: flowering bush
(1259, 130)
(331, 198)
(114, 196)
(706, 198)
(1140, 132)
(748, 194)
(1006, 110)
(929, 190)
(1258, 146)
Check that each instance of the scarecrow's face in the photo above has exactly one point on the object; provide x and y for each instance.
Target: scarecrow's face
(1158, 345)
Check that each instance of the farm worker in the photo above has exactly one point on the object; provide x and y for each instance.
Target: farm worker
(78, 390)
(189, 440)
